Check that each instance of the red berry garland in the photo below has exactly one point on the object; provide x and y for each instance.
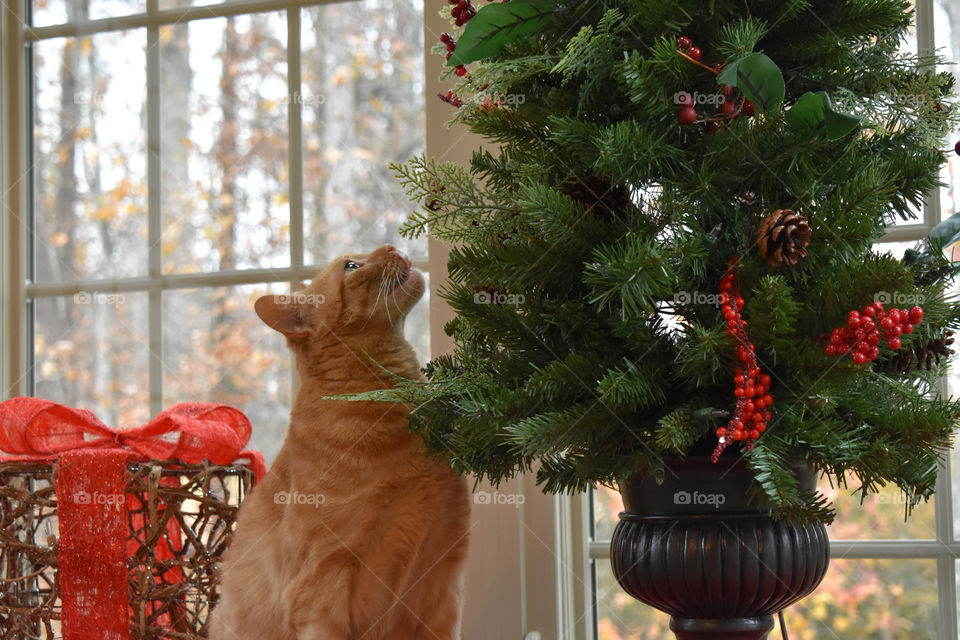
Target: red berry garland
(862, 333)
(751, 386)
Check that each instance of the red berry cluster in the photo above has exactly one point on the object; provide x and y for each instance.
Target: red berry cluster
(862, 333)
(751, 386)
(451, 98)
(684, 44)
(451, 44)
(732, 109)
(462, 11)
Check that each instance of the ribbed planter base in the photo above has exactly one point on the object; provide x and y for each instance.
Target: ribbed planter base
(694, 547)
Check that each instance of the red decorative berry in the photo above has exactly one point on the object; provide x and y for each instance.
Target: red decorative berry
(730, 109)
(687, 115)
(747, 109)
(683, 42)
(861, 335)
(695, 53)
(713, 126)
(749, 418)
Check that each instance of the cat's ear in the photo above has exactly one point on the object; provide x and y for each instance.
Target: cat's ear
(283, 316)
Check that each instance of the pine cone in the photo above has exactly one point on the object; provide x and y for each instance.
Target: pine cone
(783, 235)
(599, 195)
(919, 356)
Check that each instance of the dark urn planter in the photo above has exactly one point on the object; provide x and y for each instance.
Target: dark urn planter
(693, 545)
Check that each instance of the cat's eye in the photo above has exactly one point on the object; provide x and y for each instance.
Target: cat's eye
(351, 266)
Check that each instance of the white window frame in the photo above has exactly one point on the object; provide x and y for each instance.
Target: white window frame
(19, 291)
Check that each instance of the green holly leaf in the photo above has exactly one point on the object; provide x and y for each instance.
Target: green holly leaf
(759, 78)
(814, 114)
(497, 25)
(947, 232)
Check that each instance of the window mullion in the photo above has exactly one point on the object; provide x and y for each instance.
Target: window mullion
(295, 162)
(154, 221)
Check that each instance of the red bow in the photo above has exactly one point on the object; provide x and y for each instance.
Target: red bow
(37, 429)
(92, 459)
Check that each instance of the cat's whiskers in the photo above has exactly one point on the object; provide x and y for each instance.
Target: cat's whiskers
(373, 309)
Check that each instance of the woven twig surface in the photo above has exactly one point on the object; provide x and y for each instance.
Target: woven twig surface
(180, 517)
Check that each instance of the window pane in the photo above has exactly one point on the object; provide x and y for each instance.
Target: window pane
(49, 12)
(620, 617)
(363, 107)
(92, 352)
(216, 349)
(225, 196)
(417, 326)
(607, 505)
(880, 516)
(870, 600)
(90, 157)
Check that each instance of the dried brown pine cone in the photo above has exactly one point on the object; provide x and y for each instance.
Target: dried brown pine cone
(783, 235)
(921, 355)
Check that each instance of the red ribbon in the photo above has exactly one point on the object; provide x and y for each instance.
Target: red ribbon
(91, 479)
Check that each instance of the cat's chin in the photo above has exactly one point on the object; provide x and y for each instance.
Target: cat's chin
(409, 290)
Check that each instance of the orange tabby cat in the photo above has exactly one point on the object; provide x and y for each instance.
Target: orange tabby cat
(355, 533)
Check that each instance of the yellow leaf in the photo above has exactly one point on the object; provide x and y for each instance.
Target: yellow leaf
(376, 103)
(280, 199)
(332, 155)
(59, 239)
(105, 213)
(341, 75)
(166, 34)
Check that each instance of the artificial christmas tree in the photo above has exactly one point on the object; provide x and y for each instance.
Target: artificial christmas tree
(765, 147)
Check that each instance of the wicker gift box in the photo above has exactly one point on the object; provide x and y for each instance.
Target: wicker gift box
(105, 541)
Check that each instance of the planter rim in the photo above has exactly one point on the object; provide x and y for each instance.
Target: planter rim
(694, 486)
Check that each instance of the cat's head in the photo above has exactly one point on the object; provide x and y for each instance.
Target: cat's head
(354, 297)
